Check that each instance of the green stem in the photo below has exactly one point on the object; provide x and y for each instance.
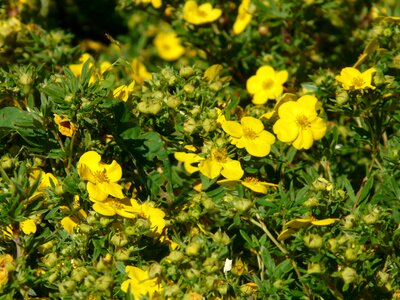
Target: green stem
(262, 225)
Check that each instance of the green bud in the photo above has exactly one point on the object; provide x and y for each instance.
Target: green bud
(314, 268)
(222, 288)
(103, 283)
(154, 108)
(155, 270)
(278, 284)
(89, 281)
(192, 274)
(349, 221)
(67, 287)
(372, 217)
(211, 265)
(222, 238)
(172, 290)
(123, 254)
(311, 202)
(173, 101)
(208, 203)
(53, 277)
(242, 205)
(157, 95)
(6, 161)
(105, 221)
(186, 71)
(175, 256)
(143, 107)
(68, 98)
(215, 86)
(342, 97)
(79, 274)
(239, 267)
(349, 275)
(210, 282)
(130, 230)
(85, 228)
(189, 126)
(188, 88)
(350, 254)
(50, 259)
(193, 248)
(313, 241)
(118, 240)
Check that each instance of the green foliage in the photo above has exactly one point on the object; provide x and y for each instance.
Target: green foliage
(317, 223)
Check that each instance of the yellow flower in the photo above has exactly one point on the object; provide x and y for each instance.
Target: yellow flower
(155, 3)
(47, 180)
(291, 226)
(5, 261)
(220, 164)
(65, 126)
(28, 226)
(139, 283)
(353, 79)
(102, 178)
(252, 183)
(111, 207)
(168, 46)
(250, 134)
(188, 159)
(299, 123)
(70, 222)
(197, 15)
(123, 91)
(244, 17)
(77, 68)
(266, 84)
(155, 216)
(139, 72)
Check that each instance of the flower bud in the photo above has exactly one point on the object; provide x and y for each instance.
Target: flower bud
(118, 240)
(372, 217)
(189, 126)
(67, 287)
(186, 71)
(123, 254)
(6, 161)
(193, 248)
(313, 241)
(239, 267)
(349, 275)
(311, 202)
(155, 270)
(105, 221)
(349, 221)
(175, 256)
(192, 273)
(154, 108)
(188, 88)
(350, 254)
(103, 283)
(171, 290)
(242, 205)
(89, 281)
(79, 274)
(173, 101)
(342, 97)
(278, 284)
(222, 238)
(314, 268)
(50, 259)
(210, 265)
(215, 86)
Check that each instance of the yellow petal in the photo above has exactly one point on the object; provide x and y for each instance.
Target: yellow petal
(28, 226)
(232, 128)
(298, 223)
(69, 223)
(95, 193)
(286, 130)
(104, 209)
(285, 234)
(210, 168)
(232, 170)
(252, 123)
(325, 222)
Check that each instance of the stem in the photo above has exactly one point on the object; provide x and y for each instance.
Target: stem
(261, 225)
(71, 147)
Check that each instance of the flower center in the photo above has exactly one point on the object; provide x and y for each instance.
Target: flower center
(251, 180)
(116, 205)
(267, 84)
(358, 81)
(202, 13)
(101, 176)
(220, 155)
(249, 133)
(303, 121)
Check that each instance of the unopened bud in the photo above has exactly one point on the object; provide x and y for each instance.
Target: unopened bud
(349, 275)
(313, 241)
(193, 248)
(186, 71)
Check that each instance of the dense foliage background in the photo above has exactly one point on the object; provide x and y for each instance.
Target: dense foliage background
(213, 150)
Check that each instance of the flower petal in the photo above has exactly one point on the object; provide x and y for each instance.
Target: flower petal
(286, 130)
(232, 170)
(232, 128)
